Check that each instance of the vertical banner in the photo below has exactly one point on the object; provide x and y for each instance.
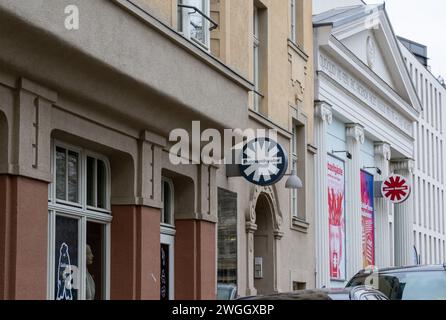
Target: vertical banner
(336, 214)
(368, 219)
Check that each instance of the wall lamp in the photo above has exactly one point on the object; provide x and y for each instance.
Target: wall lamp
(378, 170)
(293, 181)
(347, 154)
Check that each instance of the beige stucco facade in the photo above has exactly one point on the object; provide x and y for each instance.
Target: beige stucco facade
(118, 89)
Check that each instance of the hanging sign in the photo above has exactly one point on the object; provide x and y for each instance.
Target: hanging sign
(264, 162)
(396, 188)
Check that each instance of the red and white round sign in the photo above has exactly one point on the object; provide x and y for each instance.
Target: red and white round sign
(396, 188)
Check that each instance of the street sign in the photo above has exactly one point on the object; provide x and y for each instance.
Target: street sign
(396, 188)
(264, 162)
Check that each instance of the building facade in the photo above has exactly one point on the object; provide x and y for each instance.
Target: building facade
(90, 93)
(429, 186)
(365, 111)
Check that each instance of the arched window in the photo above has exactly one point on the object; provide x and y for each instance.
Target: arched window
(79, 224)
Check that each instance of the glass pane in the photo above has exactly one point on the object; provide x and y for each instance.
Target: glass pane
(101, 184)
(167, 204)
(61, 168)
(90, 181)
(197, 21)
(73, 176)
(164, 278)
(95, 275)
(227, 237)
(67, 258)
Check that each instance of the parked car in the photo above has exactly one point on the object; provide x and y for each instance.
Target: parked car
(406, 283)
(226, 291)
(354, 293)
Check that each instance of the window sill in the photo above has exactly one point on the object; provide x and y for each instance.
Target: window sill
(300, 225)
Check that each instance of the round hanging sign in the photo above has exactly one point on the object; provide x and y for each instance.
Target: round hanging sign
(264, 162)
(396, 188)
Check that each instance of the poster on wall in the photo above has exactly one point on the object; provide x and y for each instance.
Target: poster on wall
(368, 219)
(336, 213)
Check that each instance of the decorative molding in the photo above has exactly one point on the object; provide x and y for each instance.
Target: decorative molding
(324, 111)
(407, 166)
(383, 149)
(360, 90)
(270, 194)
(300, 225)
(356, 132)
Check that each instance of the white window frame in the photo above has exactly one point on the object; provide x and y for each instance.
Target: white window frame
(83, 214)
(186, 25)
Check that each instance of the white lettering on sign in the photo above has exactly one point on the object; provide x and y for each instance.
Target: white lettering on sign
(360, 90)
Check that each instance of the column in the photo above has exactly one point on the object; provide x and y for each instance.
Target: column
(278, 235)
(403, 217)
(382, 208)
(355, 137)
(250, 230)
(323, 118)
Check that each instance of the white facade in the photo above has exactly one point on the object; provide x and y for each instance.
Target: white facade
(429, 177)
(366, 106)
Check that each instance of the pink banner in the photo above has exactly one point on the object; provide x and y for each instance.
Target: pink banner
(336, 213)
(368, 219)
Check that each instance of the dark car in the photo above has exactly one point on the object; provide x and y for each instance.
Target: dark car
(405, 283)
(356, 293)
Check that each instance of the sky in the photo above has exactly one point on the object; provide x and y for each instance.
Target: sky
(422, 21)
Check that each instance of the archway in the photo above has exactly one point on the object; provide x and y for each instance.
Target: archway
(263, 228)
(264, 247)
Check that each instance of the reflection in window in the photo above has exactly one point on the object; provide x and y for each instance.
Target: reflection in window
(67, 258)
(94, 286)
(192, 23)
(67, 175)
(227, 237)
(167, 200)
(96, 183)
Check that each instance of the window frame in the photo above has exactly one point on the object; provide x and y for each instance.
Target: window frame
(167, 228)
(184, 21)
(293, 21)
(256, 58)
(81, 212)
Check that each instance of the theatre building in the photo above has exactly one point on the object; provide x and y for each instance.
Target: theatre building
(365, 111)
(91, 207)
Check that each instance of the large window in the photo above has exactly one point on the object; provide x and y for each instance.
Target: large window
(79, 225)
(192, 20)
(227, 237)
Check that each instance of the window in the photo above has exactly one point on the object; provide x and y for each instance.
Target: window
(293, 21)
(79, 225)
(256, 59)
(167, 200)
(293, 159)
(167, 240)
(192, 21)
(297, 163)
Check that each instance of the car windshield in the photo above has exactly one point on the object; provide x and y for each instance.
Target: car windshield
(225, 292)
(425, 285)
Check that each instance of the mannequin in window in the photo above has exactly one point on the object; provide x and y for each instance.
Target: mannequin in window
(90, 285)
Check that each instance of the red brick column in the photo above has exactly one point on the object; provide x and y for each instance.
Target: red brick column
(135, 253)
(23, 238)
(195, 277)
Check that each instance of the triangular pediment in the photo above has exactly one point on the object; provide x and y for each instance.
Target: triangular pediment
(367, 33)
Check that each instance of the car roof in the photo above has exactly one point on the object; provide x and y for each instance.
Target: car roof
(417, 268)
(316, 294)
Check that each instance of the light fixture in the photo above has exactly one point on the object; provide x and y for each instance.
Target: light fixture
(293, 181)
(347, 154)
(378, 170)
